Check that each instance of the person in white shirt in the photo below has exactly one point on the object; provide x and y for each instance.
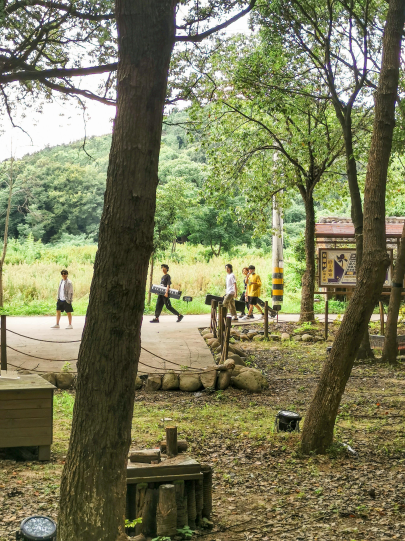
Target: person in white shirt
(231, 292)
(65, 297)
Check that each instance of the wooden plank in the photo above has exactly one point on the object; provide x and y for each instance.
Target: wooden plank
(39, 403)
(164, 468)
(164, 478)
(145, 455)
(26, 414)
(26, 382)
(22, 441)
(25, 423)
(26, 432)
(25, 394)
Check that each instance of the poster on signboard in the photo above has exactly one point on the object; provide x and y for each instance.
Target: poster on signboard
(337, 267)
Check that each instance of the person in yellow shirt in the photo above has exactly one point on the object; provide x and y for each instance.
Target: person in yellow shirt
(254, 284)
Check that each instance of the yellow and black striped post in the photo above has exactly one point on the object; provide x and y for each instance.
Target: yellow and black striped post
(277, 291)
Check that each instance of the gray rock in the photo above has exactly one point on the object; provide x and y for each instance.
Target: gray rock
(189, 382)
(251, 380)
(208, 335)
(229, 364)
(213, 343)
(50, 376)
(153, 383)
(244, 338)
(274, 337)
(64, 380)
(297, 338)
(209, 378)
(205, 331)
(307, 338)
(238, 351)
(224, 380)
(238, 360)
(170, 382)
(251, 334)
(138, 383)
(285, 336)
(258, 338)
(237, 370)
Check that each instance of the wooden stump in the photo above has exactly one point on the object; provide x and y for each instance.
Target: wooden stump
(140, 500)
(199, 499)
(207, 490)
(149, 511)
(166, 516)
(171, 441)
(191, 506)
(181, 502)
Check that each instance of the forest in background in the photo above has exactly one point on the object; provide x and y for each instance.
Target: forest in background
(56, 208)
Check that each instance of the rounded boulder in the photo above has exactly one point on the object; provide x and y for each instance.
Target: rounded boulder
(190, 382)
(170, 382)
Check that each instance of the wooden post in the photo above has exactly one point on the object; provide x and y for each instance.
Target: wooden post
(3, 343)
(191, 507)
(181, 502)
(227, 336)
(326, 318)
(149, 511)
(381, 322)
(214, 321)
(171, 441)
(166, 517)
(266, 320)
(207, 490)
(220, 323)
(140, 500)
(199, 498)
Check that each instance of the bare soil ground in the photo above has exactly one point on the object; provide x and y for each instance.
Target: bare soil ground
(263, 487)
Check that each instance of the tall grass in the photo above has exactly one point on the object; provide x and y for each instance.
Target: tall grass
(32, 275)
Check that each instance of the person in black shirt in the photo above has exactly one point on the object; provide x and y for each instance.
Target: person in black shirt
(163, 300)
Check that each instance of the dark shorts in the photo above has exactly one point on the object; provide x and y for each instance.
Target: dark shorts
(64, 306)
(253, 300)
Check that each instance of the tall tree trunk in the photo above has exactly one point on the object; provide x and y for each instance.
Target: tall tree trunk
(320, 418)
(92, 500)
(308, 279)
(389, 354)
(150, 277)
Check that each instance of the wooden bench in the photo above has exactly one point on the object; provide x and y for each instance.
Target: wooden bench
(26, 414)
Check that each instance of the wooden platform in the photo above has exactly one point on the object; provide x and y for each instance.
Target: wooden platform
(26, 413)
(181, 467)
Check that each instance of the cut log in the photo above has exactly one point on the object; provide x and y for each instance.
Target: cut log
(181, 502)
(182, 446)
(140, 501)
(191, 507)
(166, 516)
(171, 441)
(145, 456)
(149, 512)
(199, 500)
(207, 490)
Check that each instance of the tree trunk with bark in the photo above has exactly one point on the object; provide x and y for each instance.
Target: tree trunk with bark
(389, 354)
(320, 419)
(92, 500)
(308, 279)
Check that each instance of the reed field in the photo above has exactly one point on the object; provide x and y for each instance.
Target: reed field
(32, 274)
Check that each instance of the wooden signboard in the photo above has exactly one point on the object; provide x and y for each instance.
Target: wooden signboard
(337, 267)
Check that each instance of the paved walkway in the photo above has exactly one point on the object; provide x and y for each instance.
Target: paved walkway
(177, 342)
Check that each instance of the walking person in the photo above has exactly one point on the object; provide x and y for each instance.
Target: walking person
(231, 292)
(163, 300)
(65, 298)
(254, 284)
(245, 272)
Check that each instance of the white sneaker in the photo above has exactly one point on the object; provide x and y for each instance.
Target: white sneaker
(69, 327)
(245, 317)
(55, 327)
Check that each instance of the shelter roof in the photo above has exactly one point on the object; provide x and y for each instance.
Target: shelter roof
(342, 228)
